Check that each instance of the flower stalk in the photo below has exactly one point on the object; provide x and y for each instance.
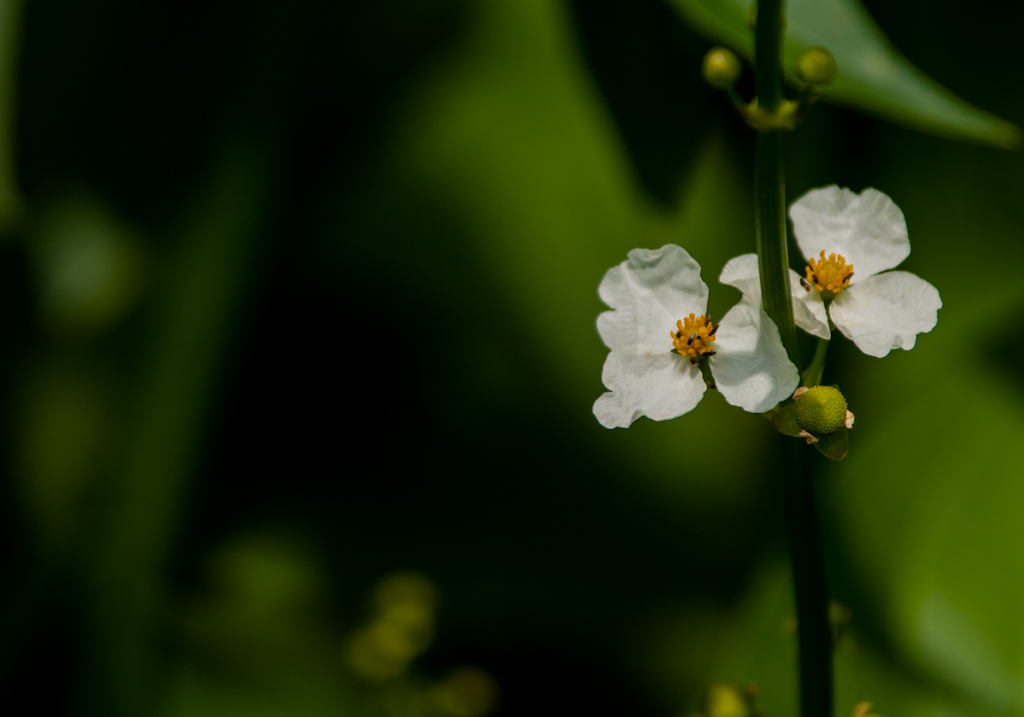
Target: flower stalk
(813, 373)
(814, 633)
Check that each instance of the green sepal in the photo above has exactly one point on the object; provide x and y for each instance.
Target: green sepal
(783, 417)
(835, 445)
(787, 116)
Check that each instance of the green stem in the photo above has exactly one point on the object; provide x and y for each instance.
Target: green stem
(768, 54)
(813, 373)
(221, 247)
(770, 180)
(815, 636)
(814, 633)
(772, 249)
(11, 205)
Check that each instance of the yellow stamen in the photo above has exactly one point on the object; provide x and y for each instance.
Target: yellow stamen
(693, 337)
(829, 275)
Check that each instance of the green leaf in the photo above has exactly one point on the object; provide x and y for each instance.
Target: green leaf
(873, 75)
(513, 155)
(760, 648)
(208, 278)
(929, 506)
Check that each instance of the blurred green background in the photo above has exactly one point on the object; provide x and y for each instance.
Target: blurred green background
(298, 305)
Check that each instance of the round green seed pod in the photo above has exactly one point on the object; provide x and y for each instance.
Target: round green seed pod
(721, 68)
(816, 66)
(821, 410)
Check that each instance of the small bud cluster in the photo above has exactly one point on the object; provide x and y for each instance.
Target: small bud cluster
(815, 67)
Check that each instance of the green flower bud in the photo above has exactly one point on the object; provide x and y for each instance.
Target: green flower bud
(721, 68)
(821, 410)
(725, 701)
(816, 66)
(863, 710)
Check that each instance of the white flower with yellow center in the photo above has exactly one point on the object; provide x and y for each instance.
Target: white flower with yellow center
(848, 239)
(658, 332)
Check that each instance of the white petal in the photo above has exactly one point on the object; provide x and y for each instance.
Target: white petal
(751, 367)
(660, 386)
(650, 292)
(744, 273)
(808, 310)
(867, 229)
(886, 312)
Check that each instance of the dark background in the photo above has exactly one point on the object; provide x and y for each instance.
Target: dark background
(298, 295)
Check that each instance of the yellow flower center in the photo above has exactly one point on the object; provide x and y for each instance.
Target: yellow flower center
(693, 337)
(829, 275)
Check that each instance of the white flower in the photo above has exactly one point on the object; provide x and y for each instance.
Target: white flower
(848, 239)
(659, 304)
